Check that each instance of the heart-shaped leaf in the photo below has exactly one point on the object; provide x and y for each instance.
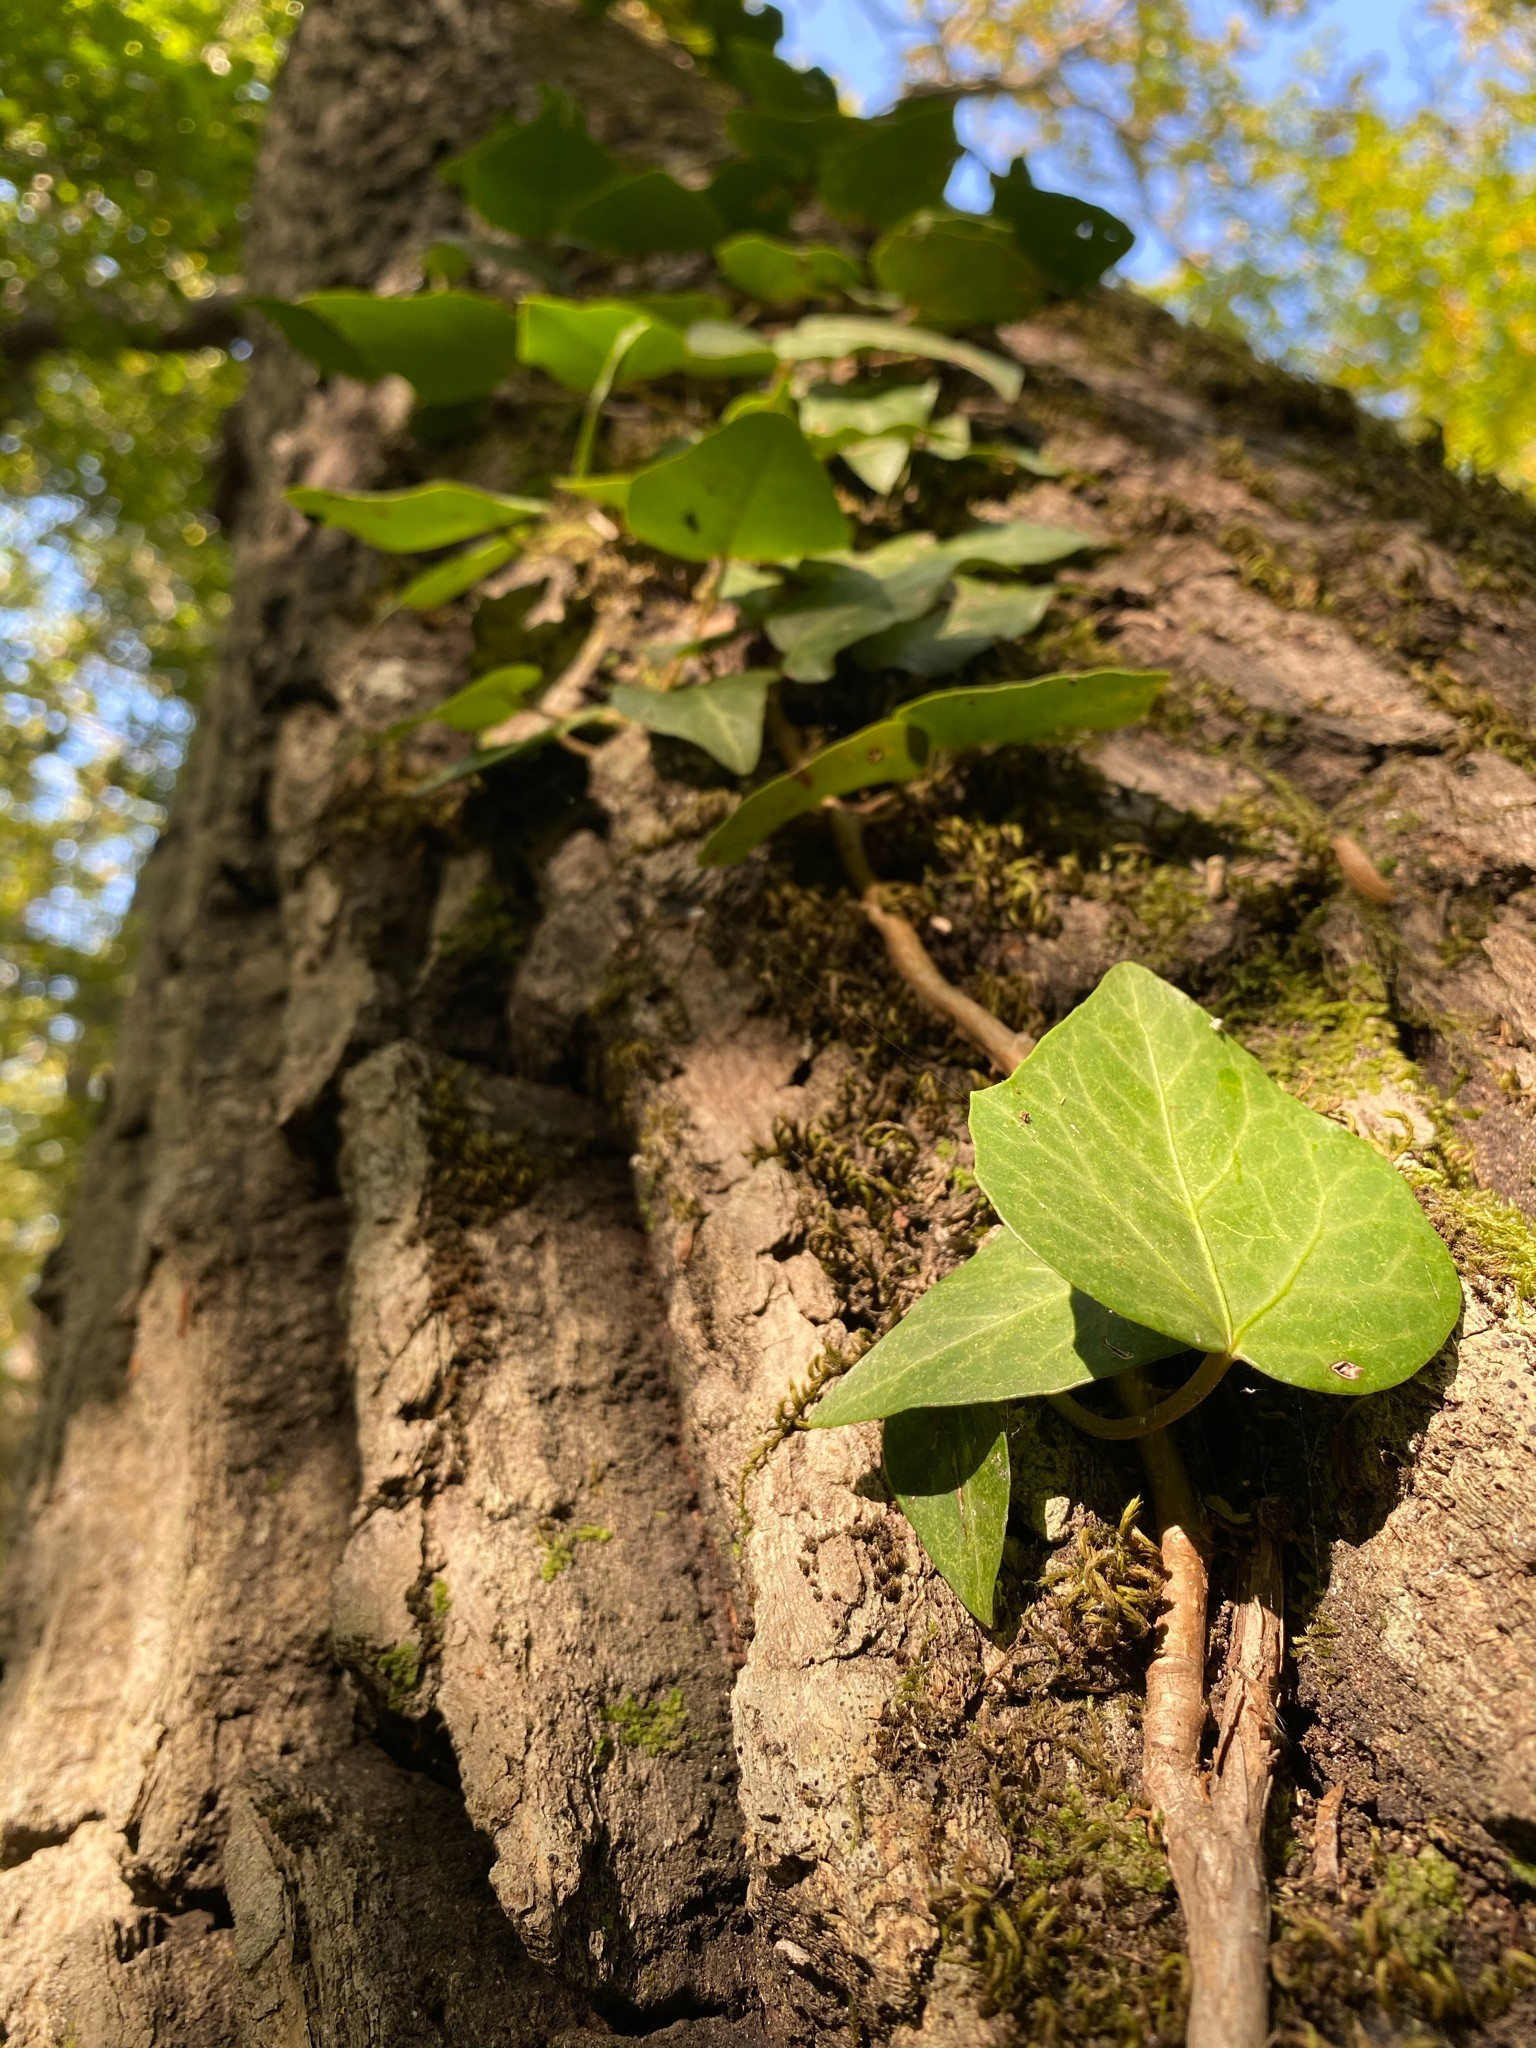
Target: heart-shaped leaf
(489, 698)
(779, 272)
(445, 581)
(877, 172)
(949, 1469)
(528, 176)
(645, 215)
(889, 752)
(1155, 1165)
(571, 340)
(836, 417)
(452, 346)
(414, 521)
(1002, 1327)
(880, 463)
(976, 618)
(826, 337)
(724, 717)
(751, 489)
(778, 87)
(958, 270)
(1016, 714)
(1070, 242)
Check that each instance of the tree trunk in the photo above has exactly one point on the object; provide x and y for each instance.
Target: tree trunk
(425, 1625)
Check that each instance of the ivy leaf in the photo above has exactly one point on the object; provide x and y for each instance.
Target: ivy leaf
(976, 618)
(571, 340)
(877, 172)
(1015, 714)
(315, 339)
(825, 337)
(958, 270)
(779, 272)
(751, 489)
(1002, 1327)
(836, 417)
(724, 717)
(680, 309)
(527, 177)
(489, 698)
(645, 215)
(797, 139)
(411, 522)
(754, 193)
(892, 751)
(949, 438)
(1154, 1164)
(778, 87)
(445, 581)
(1070, 242)
(948, 1468)
(612, 491)
(451, 346)
(880, 463)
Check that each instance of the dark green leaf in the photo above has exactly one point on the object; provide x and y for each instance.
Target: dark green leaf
(681, 309)
(1013, 714)
(1154, 1164)
(754, 193)
(752, 490)
(948, 1467)
(324, 345)
(529, 176)
(1070, 242)
(451, 345)
(445, 581)
(645, 215)
(489, 698)
(1002, 1327)
(824, 337)
(877, 172)
(890, 752)
(957, 270)
(799, 140)
(724, 717)
(976, 618)
(414, 521)
(777, 87)
(779, 272)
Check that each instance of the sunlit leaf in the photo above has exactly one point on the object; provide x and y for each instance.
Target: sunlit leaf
(612, 491)
(824, 337)
(880, 463)
(445, 581)
(571, 339)
(1070, 242)
(1153, 1163)
(836, 416)
(450, 345)
(949, 1470)
(890, 752)
(976, 618)
(645, 215)
(780, 273)
(1015, 714)
(489, 698)
(680, 309)
(877, 172)
(529, 176)
(751, 489)
(724, 717)
(414, 521)
(1002, 1327)
(957, 270)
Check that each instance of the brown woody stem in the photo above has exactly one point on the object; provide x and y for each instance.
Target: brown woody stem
(1213, 1817)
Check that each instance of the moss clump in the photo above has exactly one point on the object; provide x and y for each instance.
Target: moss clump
(400, 1669)
(658, 1727)
(478, 1173)
(560, 1545)
(441, 1600)
(1098, 1603)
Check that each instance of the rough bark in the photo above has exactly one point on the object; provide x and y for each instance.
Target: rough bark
(425, 1624)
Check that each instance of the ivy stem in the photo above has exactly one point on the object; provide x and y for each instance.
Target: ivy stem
(597, 397)
(1212, 1816)
(1212, 1369)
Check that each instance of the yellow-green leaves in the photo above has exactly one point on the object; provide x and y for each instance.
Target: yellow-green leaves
(1002, 1327)
(414, 521)
(490, 698)
(751, 490)
(949, 1469)
(452, 346)
(1154, 1164)
(824, 337)
(571, 340)
(724, 717)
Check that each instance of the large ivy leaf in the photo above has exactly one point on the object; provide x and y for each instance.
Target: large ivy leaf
(825, 337)
(780, 273)
(949, 1469)
(452, 346)
(797, 139)
(489, 698)
(1017, 714)
(411, 522)
(890, 752)
(976, 618)
(837, 416)
(754, 194)
(877, 172)
(528, 176)
(852, 597)
(751, 489)
(724, 717)
(645, 215)
(445, 581)
(1154, 1164)
(1070, 242)
(958, 270)
(316, 339)
(1002, 1327)
(571, 340)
